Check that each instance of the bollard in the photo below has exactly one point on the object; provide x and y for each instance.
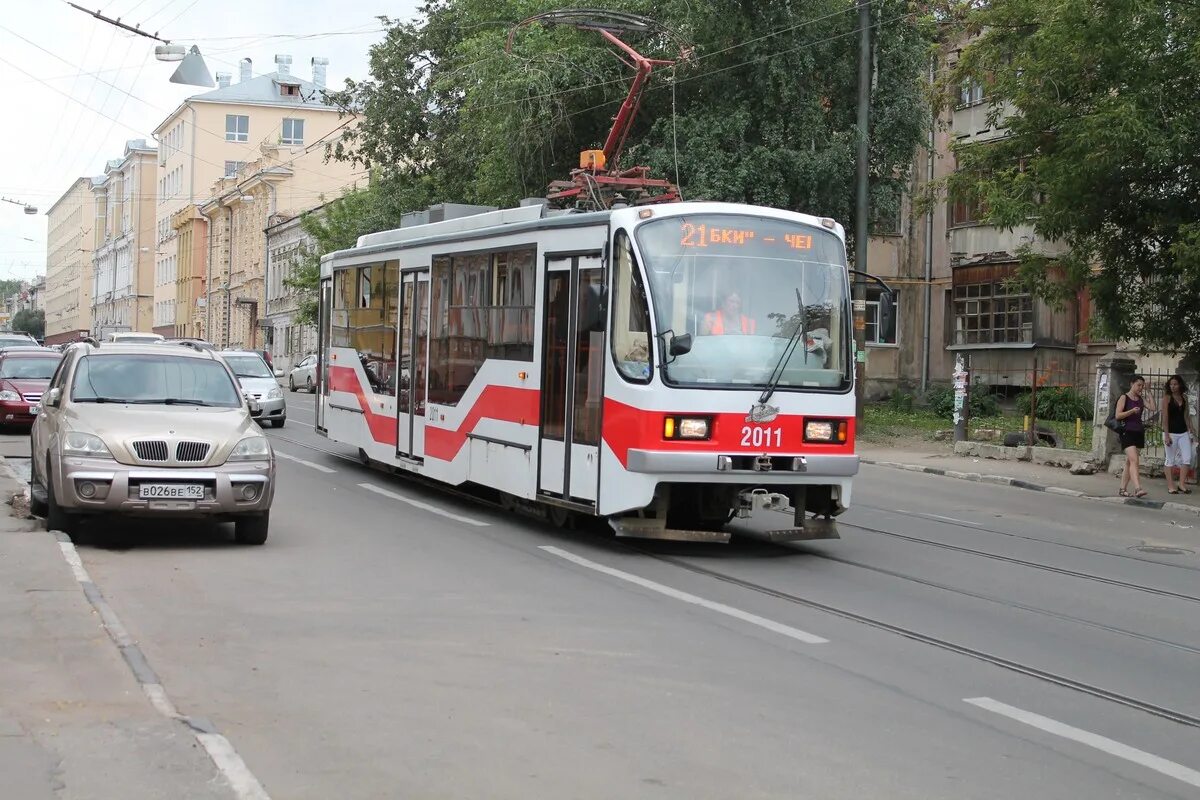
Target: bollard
(1025, 424)
(1078, 432)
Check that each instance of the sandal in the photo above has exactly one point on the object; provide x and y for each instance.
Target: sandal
(1141, 493)
(1173, 491)
(1123, 493)
(1186, 490)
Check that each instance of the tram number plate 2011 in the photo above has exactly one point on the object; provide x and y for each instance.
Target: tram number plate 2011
(171, 491)
(761, 436)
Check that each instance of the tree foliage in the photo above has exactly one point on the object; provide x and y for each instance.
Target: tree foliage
(31, 322)
(763, 113)
(1101, 106)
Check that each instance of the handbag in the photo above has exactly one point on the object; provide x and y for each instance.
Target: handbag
(1113, 424)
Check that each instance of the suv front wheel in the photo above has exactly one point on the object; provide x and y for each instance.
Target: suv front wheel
(252, 529)
(56, 518)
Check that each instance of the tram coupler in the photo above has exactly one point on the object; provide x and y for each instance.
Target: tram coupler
(761, 500)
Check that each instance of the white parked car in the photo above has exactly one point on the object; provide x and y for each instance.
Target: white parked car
(134, 337)
(304, 374)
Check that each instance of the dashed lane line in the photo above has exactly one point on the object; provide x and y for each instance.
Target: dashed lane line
(309, 464)
(719, 608)
(1102, 743)
(370, 487)
(231, 766)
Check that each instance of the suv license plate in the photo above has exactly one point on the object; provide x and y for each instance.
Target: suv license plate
(171, 491)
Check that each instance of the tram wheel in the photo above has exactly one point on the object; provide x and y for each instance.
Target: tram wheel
(560, 517)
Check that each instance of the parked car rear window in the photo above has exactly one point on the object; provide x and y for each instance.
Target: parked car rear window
(153, 380)
(29, 368)
(17, 341)
(248, 367)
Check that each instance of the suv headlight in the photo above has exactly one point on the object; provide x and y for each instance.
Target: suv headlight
(275, 393)
(252, 448)
(8, 395)
(76, 443)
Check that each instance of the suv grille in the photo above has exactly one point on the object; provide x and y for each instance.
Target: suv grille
(191, 451)
(151, 451)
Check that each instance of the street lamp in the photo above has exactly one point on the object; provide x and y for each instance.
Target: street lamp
(29, 209)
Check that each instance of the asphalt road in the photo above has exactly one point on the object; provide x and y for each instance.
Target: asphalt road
(960, 641)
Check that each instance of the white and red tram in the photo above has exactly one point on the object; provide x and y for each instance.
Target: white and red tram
(665, 367)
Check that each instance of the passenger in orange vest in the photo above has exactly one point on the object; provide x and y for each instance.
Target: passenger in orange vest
(727, 319)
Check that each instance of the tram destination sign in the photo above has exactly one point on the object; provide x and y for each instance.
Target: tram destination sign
(693, 234)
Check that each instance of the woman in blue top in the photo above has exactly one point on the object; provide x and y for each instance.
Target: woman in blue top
(1129, 410)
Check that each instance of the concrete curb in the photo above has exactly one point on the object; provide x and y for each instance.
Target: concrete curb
(1018, 483)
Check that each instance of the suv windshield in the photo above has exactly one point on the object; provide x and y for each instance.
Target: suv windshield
(29, 368)
(248, 366)
(153, 379)
(742, 286)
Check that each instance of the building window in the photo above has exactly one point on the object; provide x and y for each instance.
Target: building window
(966, 212)
(237, 128)
(232, 168)
(293, 131)
(887, 333)
(992, 313)
(970, 93)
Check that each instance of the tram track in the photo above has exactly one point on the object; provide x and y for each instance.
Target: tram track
(982, 529)
(1046, 676)
(1026, 563)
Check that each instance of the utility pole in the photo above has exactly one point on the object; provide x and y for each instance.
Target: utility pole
(861, 203)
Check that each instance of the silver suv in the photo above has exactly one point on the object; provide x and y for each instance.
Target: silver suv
(150, 431)
(259, 383)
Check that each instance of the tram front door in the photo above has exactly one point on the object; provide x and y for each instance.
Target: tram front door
(572, 378)
(414, 352)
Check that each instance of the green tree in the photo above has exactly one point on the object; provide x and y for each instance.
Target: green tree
(1101, 152)
(763, 113)
(31, 322)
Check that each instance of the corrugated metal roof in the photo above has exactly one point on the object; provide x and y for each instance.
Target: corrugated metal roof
(264, 90)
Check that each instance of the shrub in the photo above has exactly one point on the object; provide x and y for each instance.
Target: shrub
(941, 401)
(899, 401)
(1061, 403)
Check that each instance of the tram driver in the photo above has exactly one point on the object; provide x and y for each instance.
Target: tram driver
(728, 318)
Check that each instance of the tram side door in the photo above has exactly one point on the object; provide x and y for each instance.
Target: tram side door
(326, 297)
(414, 354)
(572, 378)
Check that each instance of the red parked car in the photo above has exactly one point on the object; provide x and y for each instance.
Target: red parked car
(24, 375)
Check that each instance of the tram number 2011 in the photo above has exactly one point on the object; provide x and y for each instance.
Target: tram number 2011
(762, 437)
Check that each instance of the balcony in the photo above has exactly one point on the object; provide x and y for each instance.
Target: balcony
(972, 241)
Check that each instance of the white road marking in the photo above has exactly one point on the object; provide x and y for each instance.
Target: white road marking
(1102, 743)
(720, 608)
(309, 464)
(227, 761)
(244, 784)
(423, 506)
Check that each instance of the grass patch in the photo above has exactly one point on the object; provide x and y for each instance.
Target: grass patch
(884, 422)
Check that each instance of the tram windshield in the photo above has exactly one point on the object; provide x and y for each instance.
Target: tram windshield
(742, 286)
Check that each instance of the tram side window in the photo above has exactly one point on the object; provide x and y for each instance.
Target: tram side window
(631, 316)
(482, 305)
(368, 303)
(343, 303)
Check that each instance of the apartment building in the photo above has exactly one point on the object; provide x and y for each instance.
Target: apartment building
(288, 339)
(276, 116)
(123, 241)
(69, 243)
(240, 211)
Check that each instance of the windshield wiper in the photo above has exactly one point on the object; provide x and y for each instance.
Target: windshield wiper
(786, 355)
(185, 401)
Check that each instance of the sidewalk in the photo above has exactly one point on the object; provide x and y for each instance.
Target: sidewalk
(1101, 486)
(74, 723)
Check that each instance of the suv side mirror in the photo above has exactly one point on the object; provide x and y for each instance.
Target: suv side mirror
(53, 397)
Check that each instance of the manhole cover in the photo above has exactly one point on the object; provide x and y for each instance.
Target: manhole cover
(1163, 551)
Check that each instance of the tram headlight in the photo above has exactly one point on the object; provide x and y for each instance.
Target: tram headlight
(825, 430)
(686, 428)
